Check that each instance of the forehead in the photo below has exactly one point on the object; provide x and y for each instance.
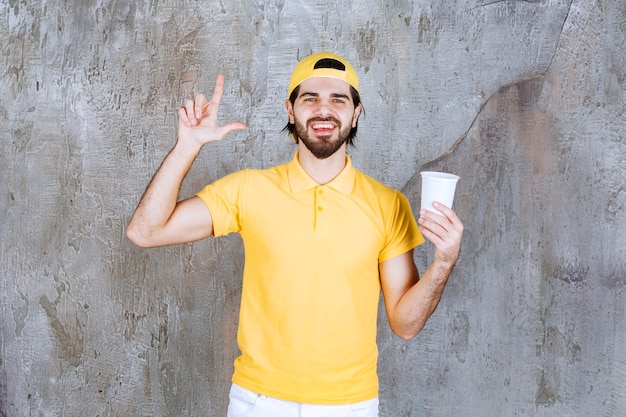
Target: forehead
(326, 85)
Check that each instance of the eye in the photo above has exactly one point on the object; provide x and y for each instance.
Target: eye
(308, 99)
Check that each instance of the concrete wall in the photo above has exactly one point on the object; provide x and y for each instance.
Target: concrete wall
(525, 100)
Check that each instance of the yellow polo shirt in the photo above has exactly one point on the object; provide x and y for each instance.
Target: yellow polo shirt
(307, 329)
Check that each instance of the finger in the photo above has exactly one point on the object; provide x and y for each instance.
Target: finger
(444, 231)
(189, 109)
(446, 211)
(454, 223)
(183, 119)
(433, 220)
(443, 226)
(447, 245)
(235, 126)
(447, 218)
(218, 91)
(200, 105)
(432, 228)
(231, 127)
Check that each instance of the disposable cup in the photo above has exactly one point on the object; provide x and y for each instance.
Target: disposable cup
(438, 186)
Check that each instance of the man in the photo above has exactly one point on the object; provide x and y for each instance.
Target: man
(321, 241)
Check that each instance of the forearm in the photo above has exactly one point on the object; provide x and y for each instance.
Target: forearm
(420, 301)
(413, 302)
(159, 200)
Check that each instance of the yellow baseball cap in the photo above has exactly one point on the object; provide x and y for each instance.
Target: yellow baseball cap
(323, 64)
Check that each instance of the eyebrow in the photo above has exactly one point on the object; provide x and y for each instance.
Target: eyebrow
(334, 95)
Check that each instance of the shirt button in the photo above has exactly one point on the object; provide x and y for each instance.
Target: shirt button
(319, 208)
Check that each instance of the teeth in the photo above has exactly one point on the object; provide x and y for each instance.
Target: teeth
(323, 126)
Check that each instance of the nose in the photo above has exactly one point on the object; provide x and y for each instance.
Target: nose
(324, 108)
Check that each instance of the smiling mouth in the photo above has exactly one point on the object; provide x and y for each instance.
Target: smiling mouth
(323, 127)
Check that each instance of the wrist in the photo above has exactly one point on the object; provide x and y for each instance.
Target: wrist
(443, 265)
(187, 149)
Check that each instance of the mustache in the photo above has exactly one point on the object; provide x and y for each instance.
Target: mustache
(324, 119)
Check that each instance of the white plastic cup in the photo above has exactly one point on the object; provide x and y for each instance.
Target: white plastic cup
(438, 186)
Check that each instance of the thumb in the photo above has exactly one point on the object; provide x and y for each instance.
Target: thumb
(231, 127)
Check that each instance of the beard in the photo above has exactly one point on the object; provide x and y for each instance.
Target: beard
(322, 146)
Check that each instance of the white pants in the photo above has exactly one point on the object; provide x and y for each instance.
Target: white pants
(244, 403)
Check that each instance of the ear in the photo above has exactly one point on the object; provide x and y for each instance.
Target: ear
(289, 107)
(357, 112)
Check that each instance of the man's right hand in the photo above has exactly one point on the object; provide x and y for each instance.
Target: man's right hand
(160, 219)
(197, 120)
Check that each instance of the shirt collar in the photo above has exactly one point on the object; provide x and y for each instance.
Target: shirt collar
(300, 181)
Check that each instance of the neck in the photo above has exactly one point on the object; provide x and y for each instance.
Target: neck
(322, 171)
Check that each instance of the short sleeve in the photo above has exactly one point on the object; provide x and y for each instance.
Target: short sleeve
(402, 231)
(224, 199)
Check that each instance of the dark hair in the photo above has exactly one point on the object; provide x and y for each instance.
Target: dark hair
(356, 99)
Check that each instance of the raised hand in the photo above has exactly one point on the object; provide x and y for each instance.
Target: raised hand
(197, 120)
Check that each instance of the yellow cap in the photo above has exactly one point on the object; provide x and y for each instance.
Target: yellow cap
(323, 64)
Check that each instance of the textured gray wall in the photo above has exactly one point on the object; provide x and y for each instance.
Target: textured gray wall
(525, 100)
